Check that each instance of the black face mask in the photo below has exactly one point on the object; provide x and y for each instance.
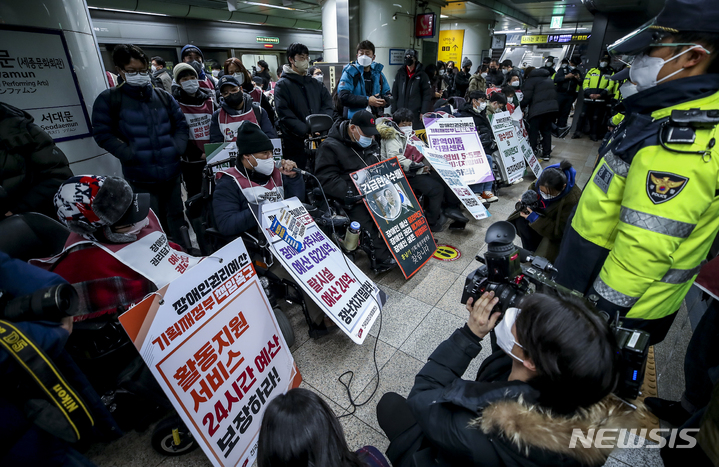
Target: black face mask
(409, 61)
(233, 100)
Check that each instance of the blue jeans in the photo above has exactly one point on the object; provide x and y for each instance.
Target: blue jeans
(484, 186)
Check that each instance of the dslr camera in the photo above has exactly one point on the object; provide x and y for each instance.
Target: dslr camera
(503, 273)
(530, 199)
(48, 304)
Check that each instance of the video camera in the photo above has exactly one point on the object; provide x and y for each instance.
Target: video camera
(530, 199)
(48, 304)
(503, 273)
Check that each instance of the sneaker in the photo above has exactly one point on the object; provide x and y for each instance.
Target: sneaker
(563, 131)
(519, 180)
(488, 196)
(546, 157)
(669, 411)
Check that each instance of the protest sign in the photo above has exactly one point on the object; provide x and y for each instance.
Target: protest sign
(277, 149)
(529, 156)
(193, 335)
(339, 288)
(394, 208)
(504, 134)
(456, 139)
(454, 181)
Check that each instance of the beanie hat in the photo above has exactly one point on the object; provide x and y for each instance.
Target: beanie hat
(181, 69)
(86, 203)
(466, 62)
(191, 48)
(251, 139)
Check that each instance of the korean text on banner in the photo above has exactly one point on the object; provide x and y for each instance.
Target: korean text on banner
(276, 149)
(212, 342)
(217, 152)
(450, 44)
(529, 156)
(454, 181)
(38, 77)
(508, 145)
(396, 212)
(338, 287)
(456, 139)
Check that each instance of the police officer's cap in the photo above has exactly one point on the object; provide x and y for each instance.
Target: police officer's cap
(677, 16)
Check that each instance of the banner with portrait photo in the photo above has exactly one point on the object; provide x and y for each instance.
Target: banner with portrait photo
(211, 340)
(397, 213)
(339, 288)
(456, 139)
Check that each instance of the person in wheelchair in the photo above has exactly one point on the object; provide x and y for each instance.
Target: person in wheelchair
(253, 181)
(117, 252)
(555, 195)
(350, 147)
(398, 140)
(552, 374)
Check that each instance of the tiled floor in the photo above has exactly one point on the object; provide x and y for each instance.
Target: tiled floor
(420, 313)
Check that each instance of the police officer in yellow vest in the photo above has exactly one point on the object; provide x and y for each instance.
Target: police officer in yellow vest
(650, 211)
(597, 94)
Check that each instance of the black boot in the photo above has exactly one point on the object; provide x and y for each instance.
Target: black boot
(669, 411)
(455, 214)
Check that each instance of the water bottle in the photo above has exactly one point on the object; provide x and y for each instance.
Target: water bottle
(352, 236)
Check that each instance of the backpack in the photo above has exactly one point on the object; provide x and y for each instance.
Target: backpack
(116, 104)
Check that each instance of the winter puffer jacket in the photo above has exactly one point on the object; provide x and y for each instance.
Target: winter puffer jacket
(476, 83)
(540, 96)
(481, 122)
(296, 97)
(493, 422)
(148, 137)
(394, 144)
(352, 92)
(338, 156)
(412, 93)
(32, 168)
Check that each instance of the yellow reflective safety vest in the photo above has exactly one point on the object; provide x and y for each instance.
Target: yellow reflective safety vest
(595, 79)
(657, 214)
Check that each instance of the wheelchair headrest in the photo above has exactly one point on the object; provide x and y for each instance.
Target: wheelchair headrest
(319, 123)
(32, 235)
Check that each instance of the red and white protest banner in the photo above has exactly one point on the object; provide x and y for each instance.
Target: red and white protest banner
(338, 287)
(211, 339)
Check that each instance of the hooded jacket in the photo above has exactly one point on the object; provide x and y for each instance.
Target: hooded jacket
(394, 144)
(476, 83)
(262, 119)
(540, 96)
(148, 137)
(495, 422)
(351, 90)
(412, 93)
(297, 97)
(32, 168)
(555, 215)
(338, 156)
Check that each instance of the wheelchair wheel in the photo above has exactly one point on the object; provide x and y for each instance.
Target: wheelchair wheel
(285, 326)
(165, 440)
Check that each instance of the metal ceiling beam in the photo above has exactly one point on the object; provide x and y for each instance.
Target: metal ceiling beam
(508, 11)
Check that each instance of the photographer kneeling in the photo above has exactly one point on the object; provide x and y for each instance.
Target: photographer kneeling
(544, 209)
(554, 374)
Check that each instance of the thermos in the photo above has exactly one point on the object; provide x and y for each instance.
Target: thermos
(352, 236)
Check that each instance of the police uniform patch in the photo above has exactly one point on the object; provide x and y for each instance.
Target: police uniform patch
(663, 186)
(604, 178)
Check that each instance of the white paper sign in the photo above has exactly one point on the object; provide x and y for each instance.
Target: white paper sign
(508, 145)
(36, 75)
(454, 181)
(338, 287)
(277, 151)
(529, 156)
(212, 342)
(456, 139)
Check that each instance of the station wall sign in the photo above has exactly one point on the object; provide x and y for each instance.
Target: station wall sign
(396, 56)
(555, 39)
(37, 76)
(424, 25)
(267, 40)
(451, 42)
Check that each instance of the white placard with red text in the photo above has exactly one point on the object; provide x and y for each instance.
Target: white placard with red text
(529, 156)
(338, 287)
(211, 339)
(508, 145)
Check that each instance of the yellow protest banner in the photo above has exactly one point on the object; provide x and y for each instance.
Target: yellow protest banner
(450, 45)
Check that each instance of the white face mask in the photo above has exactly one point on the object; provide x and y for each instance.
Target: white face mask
(264, 166)
(480, 107)
(407, 130)
(645, 69)
(302, 66)
(319, 78)
(628, 89)
(515, 84)
(138, 226)
(153, 68)
(240, 77)
(504, 71)
(215, 73)
(137, 79)
(603, 64)
(546, 196)
(364, 60)
(483, 75)
(190, 86)
(503, 331)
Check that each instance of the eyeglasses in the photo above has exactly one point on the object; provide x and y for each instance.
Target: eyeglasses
(132, 74)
